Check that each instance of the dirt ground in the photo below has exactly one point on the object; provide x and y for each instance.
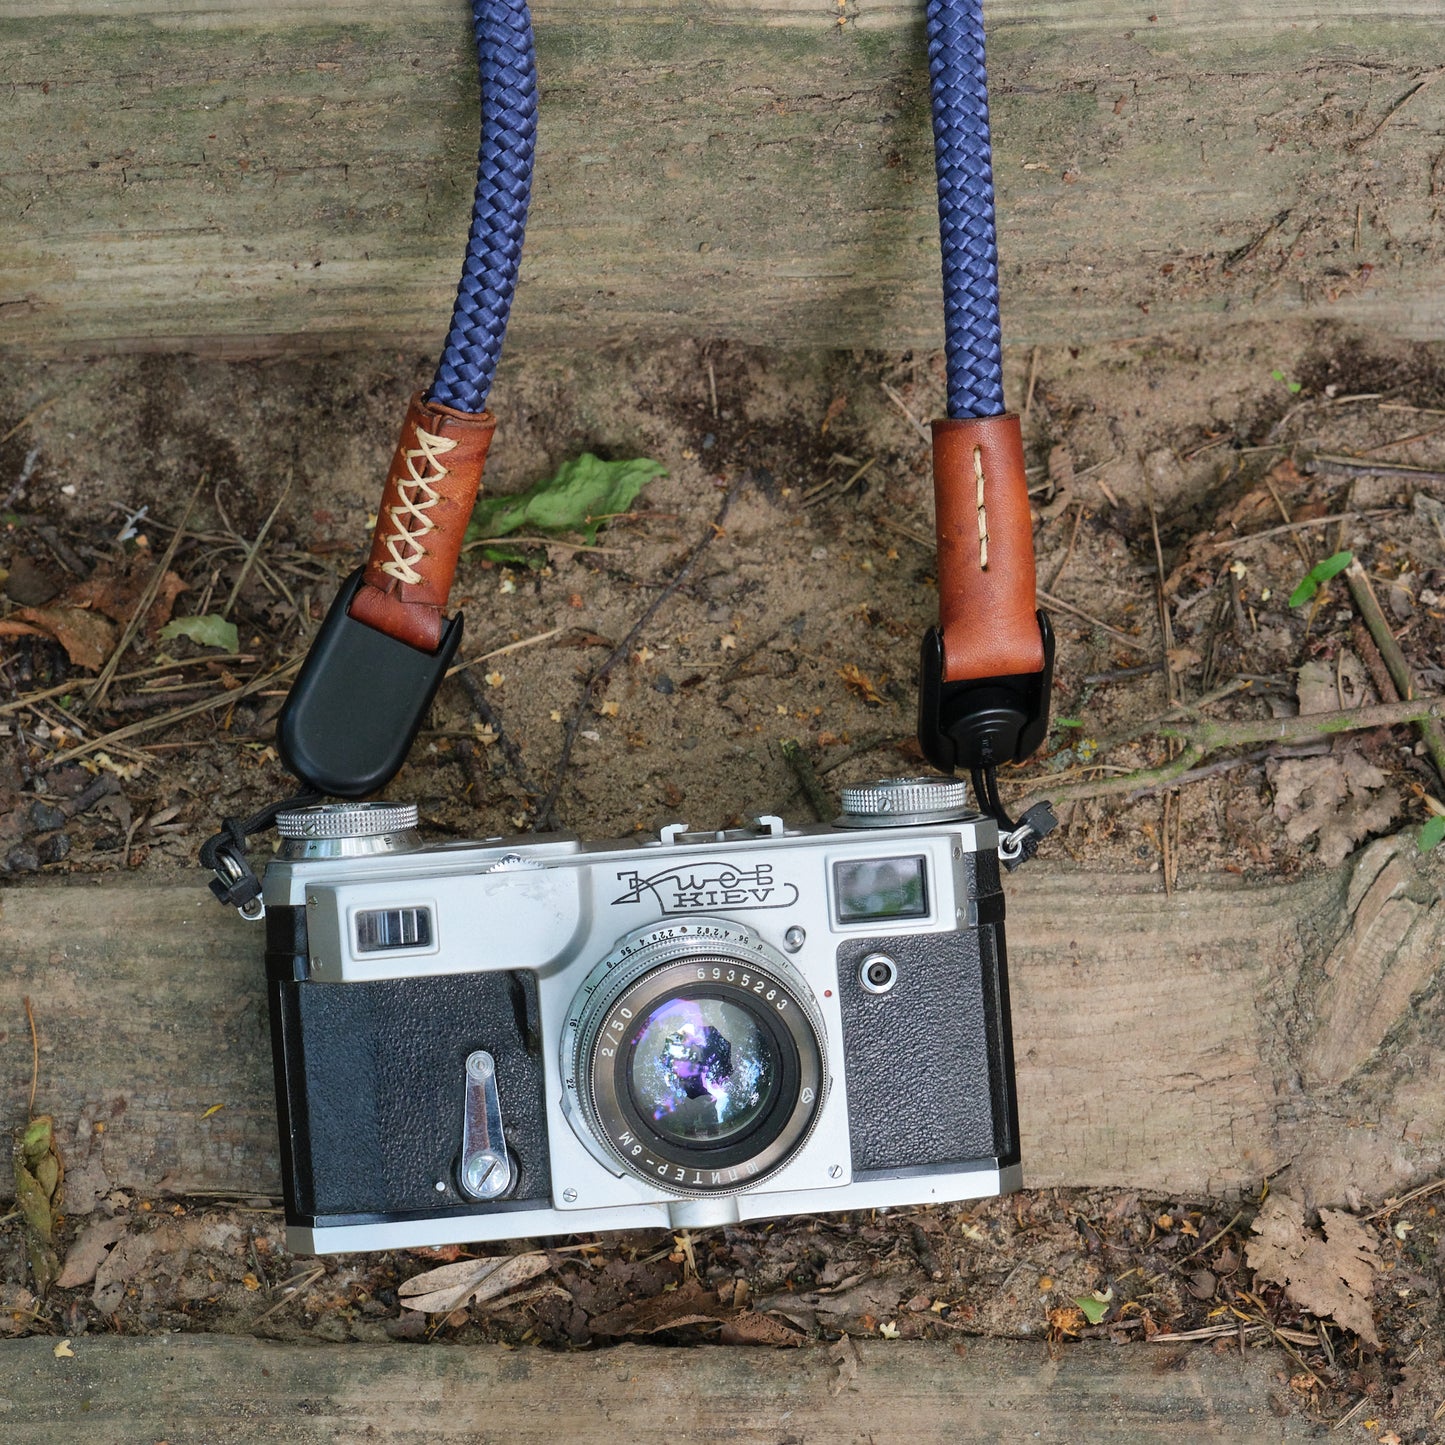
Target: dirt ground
(799, 621)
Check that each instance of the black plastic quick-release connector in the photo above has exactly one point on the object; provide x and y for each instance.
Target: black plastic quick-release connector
(983, 723)
(358, 702)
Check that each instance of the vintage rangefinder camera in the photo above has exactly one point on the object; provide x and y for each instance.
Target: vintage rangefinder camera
(536, 1036)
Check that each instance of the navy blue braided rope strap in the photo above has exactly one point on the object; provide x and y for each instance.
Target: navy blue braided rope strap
(499, 215)
(973, 339)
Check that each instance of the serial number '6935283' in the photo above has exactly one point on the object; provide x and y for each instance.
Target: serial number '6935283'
(746, 981)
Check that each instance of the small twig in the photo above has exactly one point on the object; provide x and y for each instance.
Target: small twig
(1373, 617)
(802, 766)
(1418, 436)
(926, 542)
(1123, 674)
(1399, 669)
(508, 745)
(1069, 550)
(1219, 548)
(546, 542)
(745, 657)
(1093, 621)
(292, 1290)
(903, 407)
(502, 651)
(1390, 1206)
(60, 689)
(65, 554)
(34, 1055)
(1350, 1413)
(1423, 83)
(96, 696)
(867, 745)
(1299, 545)
(827, 490)
(1193, 1253)
(147, 725)
(255, 547)
(1226, 765)
(545, 813)
(1348, 465)
(1032, 382)
(28, 418)
(1206, 736)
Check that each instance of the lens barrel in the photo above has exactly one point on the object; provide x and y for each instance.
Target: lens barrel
(694, 1056)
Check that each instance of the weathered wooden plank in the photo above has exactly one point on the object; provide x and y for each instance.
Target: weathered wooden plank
(1183, 1045)
(213, 1389)
(258, 175)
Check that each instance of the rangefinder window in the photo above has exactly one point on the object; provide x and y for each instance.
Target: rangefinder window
(876, 888)
(379, 930)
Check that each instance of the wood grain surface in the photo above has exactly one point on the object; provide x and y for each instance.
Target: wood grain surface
(200, 1390)
(244, 176)
(1189, 1045)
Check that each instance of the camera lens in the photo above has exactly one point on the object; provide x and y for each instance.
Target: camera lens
(693, 1055)
(703, 1070)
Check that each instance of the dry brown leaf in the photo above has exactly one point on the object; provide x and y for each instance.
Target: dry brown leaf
(845, 1356)
(860, 684)
(86, 636)
(752, 1328)
(1341, 798)
(836, 408)
(470, 1281)
(160, 1256)
(1332, 1277)
(1061, 474)
(89, 1250)
(118, 595)
(691, 1303)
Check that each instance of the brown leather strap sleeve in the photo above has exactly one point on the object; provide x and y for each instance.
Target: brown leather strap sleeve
(430, 491)
(986, 583)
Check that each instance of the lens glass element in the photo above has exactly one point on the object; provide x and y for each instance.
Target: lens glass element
(702, 1070)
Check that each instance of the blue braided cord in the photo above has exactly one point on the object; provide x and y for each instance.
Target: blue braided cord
(499, 214)
(973, 339)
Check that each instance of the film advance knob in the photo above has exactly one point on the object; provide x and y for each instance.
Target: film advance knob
(338, 830)
(904, 802)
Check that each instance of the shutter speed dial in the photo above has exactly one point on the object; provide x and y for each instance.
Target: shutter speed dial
(905, 803)
(348, 830)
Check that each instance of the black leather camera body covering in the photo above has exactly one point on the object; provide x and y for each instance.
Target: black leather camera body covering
(366, 1086)
(930, 1065)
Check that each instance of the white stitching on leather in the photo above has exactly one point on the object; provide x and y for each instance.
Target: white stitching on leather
(417, 497)
(982, 514)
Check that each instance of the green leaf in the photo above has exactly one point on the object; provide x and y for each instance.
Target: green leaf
(212, 630)
(1068, 722)
(1319, 574)
(1432, 833)
(1094, 1310)
(580, 498)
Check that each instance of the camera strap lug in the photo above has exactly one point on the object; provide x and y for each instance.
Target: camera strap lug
(236, 884)
(1017, 846)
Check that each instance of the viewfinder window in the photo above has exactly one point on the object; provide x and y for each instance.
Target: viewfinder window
(379, 930)
(876, 888)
